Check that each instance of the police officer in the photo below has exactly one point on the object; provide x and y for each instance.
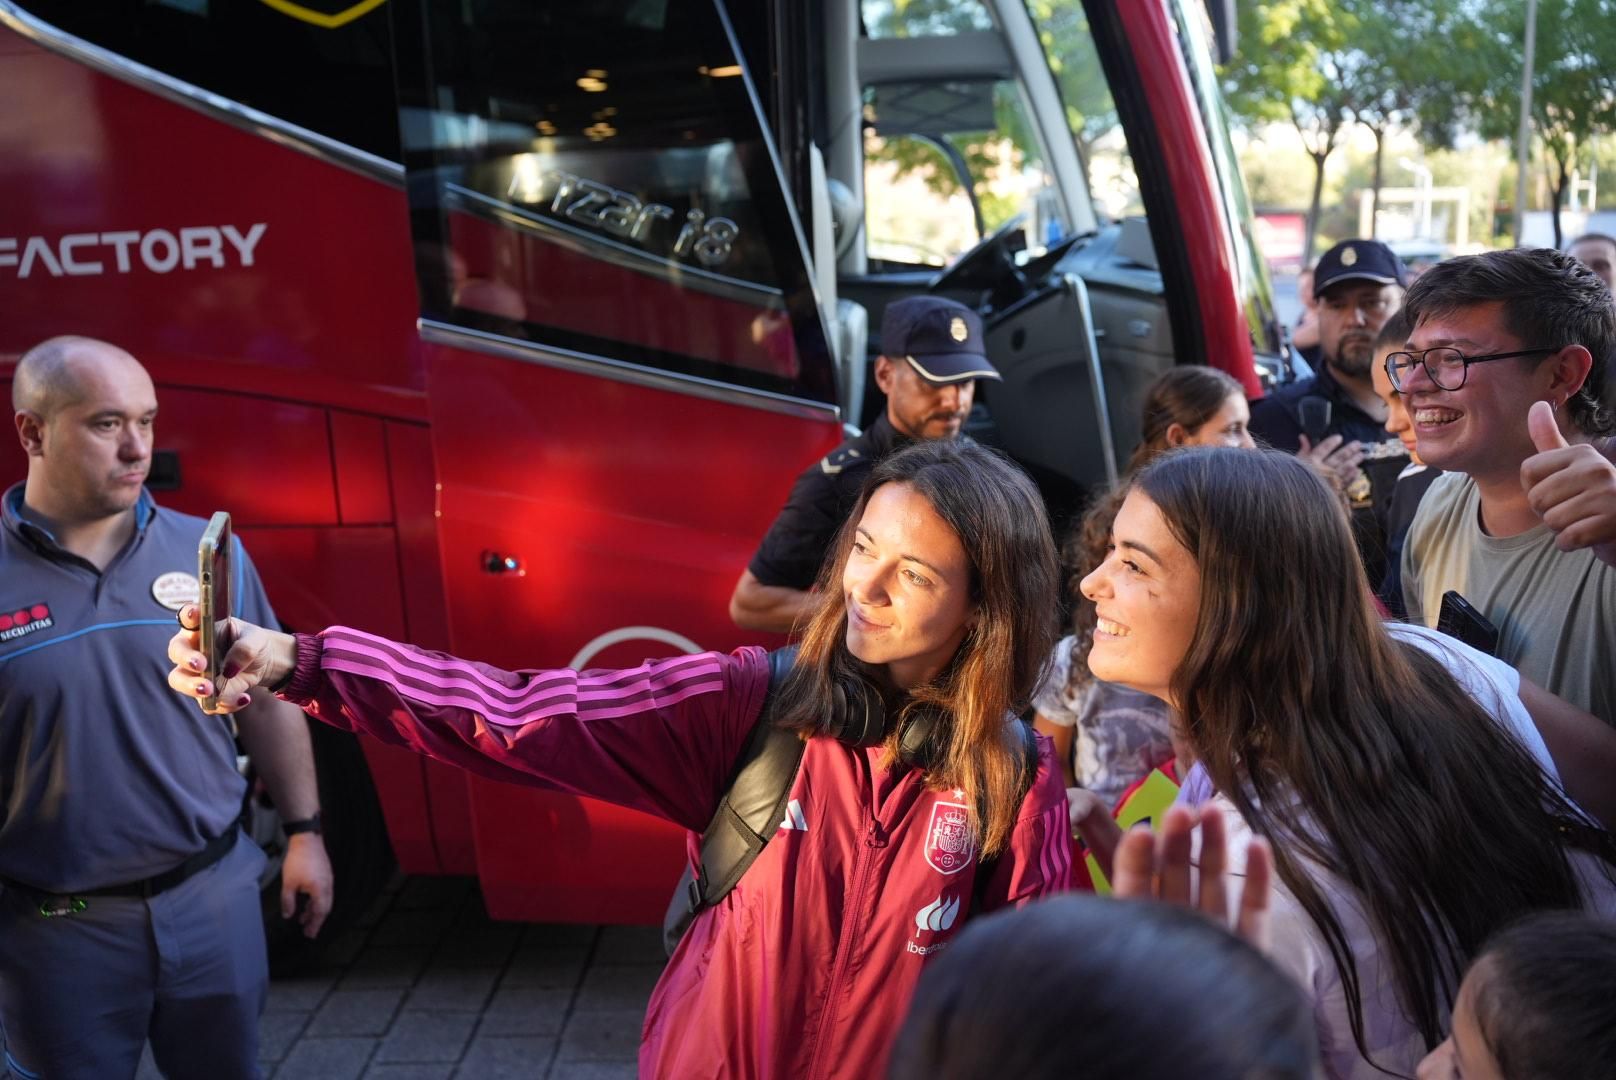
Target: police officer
(129, 895)
(1359, 285)
(931, 357)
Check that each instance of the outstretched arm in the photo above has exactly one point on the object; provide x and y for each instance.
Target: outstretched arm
(660, 738)
(1583, 748)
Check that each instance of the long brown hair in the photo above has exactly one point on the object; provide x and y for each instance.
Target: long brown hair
(1000, 521)
(1342, 744)
(1083, 554)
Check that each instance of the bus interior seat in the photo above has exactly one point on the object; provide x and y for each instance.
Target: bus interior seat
(1050, 411)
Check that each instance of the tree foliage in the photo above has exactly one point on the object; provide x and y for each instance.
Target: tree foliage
(1063, 30)
(1293, 64)
(1573, 79)
(1438, 67)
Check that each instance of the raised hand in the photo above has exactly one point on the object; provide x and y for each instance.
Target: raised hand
(255, 657)
(1157, 865)
(1337, 459)
(1571, 487)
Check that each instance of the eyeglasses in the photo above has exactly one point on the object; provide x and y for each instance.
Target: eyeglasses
(1446, 366)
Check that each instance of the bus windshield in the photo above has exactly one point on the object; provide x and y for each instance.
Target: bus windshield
(1091, 114)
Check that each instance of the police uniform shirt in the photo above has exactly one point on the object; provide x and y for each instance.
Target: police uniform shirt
(796, 544)
(1276, 421)
(106, 775)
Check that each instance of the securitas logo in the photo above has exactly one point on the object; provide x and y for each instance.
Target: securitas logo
(16, 624)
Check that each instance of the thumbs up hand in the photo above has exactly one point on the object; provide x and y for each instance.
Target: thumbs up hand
(1571, 487)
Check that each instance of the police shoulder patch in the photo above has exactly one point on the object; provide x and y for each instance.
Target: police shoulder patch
(839, 459)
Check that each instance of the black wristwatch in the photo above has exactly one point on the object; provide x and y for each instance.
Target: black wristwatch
(308, 824)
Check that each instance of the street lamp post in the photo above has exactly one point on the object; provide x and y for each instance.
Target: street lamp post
(1524, 140)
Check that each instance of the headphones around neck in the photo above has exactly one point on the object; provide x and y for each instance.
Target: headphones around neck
(860, 714)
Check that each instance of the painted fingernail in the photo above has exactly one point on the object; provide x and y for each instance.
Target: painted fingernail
(202, 688)
(244, 700)
(230, 670)
(197, 663)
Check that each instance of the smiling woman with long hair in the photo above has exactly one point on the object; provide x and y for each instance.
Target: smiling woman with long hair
(1108, 737)
(1410, 801)
(915, 804)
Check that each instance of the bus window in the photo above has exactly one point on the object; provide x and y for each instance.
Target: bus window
(947, 163)
(611, 194)
(326, 72)
(897, 18)
(1090, 111)
(918, 208)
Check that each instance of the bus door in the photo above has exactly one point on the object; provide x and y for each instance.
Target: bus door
(626, 368)
(1049, 123)
(973, 188)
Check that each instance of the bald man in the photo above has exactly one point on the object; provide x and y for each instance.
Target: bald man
(129, 895)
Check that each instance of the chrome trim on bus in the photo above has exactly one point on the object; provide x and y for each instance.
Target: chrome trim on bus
(602, 249)
(234, 113)
(460, 337)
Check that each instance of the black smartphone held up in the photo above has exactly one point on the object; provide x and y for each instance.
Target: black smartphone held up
(213, 571)
(1459, 620)
(1314, 413)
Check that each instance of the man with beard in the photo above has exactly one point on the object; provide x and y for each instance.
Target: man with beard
(931, 357)
(1335, 419)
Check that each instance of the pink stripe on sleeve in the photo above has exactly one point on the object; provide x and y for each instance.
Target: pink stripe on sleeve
(426, 680)
(447, 671)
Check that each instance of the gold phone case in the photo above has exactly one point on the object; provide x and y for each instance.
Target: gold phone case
(213, 573)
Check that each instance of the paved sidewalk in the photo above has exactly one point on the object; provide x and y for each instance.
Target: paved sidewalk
(431, 988)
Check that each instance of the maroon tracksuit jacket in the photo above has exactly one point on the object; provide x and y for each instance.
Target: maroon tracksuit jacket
(807, 967)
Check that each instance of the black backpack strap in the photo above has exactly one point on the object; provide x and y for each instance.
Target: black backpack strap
(748, 815)
(986, 867)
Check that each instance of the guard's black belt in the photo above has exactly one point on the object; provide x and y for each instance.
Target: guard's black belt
(216, 849)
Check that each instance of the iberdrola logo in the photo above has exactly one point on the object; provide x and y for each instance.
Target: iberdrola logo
(937, 916)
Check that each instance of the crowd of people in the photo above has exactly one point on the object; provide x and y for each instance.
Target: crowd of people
(1344, 649)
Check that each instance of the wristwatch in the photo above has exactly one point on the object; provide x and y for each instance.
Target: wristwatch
(308, 824)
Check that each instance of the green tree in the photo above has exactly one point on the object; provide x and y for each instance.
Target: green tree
(1397, 73)
(1573, 79)
(1293, 64)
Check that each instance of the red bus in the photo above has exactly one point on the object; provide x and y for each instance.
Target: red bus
(533, 311)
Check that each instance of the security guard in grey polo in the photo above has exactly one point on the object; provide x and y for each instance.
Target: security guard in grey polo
(931, 357)
(129, 896)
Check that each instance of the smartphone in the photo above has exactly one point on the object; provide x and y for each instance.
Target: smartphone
(1460, 620)
(213, 571)
(1314, 413)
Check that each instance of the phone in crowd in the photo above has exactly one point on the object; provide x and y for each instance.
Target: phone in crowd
(1314, 413)
(1460, 620)
(213, 571)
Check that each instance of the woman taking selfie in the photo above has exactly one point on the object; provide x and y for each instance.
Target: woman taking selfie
(934, 620)
(1399, 777)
